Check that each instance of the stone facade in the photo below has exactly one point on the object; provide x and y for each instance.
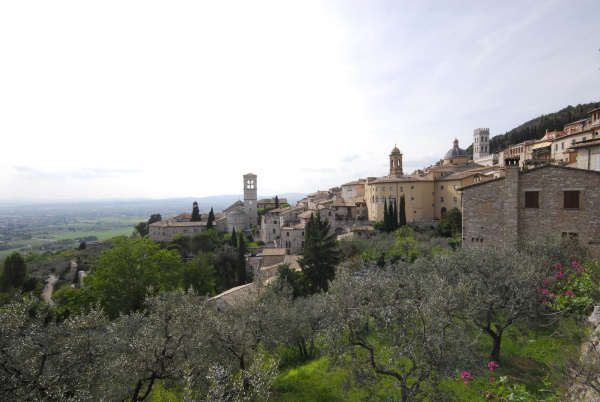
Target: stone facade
(529, 205)
(165, 230)
(239, 215)
(428, 194)
(481, 143)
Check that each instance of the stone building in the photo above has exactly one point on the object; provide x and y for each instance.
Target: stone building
(555, 146)
(587, 154)
(271, 202)
(531, 204)
(429, 193)
(166, 229)
(241, 215)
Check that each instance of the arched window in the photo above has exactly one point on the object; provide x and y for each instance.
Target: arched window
(443, 212)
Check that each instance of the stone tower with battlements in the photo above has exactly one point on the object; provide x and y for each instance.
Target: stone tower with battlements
(251, 198)
(481, 143)
(395, 163)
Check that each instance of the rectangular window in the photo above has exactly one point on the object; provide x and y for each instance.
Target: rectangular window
(441, 199)
(556, 147)
(570, 235)
(442, 187)
(562, 145)
(571, 200)
(532, 199)
(412, 187)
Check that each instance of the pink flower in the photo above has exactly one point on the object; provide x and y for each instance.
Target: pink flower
(545, 281)
(558, 265)
(570, 293)
(545, 292)
(466, 382)
(492, 379)
(558, 275)
(465, 375)
(575, 264)
(493, 366)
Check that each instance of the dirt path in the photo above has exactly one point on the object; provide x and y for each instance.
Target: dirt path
(48, 289)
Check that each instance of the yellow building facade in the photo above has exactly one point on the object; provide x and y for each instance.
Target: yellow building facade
(427, 196)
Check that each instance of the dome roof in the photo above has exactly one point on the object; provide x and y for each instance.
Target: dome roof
(395, 151)
(456, 152)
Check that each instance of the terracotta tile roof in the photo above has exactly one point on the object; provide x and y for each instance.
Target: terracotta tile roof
(403, 179)
(236, 204)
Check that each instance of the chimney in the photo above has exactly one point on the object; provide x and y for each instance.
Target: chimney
(511, 202)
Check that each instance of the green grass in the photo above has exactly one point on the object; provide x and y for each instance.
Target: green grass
(317, 381)
(527, 355)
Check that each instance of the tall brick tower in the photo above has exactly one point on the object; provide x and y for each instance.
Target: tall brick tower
(395, 163)
(481, 143)
(250, 198)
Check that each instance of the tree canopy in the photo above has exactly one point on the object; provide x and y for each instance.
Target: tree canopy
(320, 255)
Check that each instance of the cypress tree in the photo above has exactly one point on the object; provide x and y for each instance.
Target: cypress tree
(211, 219)
(242, 259)
(402, 214)
(233, 239)
(394, 216)
(276, 202)
(14, 273)
(386, 216)
(195, 213)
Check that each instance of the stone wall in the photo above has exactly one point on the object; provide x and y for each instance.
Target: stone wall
(494, 212)
(483, 223)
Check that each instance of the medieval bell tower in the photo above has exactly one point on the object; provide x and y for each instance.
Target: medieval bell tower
(250, 198)
(395, 163)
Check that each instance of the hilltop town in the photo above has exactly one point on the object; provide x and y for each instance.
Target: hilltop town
(551, 184)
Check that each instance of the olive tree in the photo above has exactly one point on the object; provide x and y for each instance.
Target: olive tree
(41, 359)
(501, 287)
(158, 344)
(397, 323)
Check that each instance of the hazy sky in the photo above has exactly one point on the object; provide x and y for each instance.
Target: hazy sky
(165, 99)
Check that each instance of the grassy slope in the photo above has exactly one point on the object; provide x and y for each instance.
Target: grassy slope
(528, 355)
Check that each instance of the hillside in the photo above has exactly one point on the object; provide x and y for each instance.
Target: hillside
(536, 128)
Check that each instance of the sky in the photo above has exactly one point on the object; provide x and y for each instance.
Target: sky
(130, 99)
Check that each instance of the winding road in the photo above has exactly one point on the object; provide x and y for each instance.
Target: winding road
(48, 289)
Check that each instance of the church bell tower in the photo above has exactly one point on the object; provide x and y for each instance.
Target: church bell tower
(250, 198)
(395, 163)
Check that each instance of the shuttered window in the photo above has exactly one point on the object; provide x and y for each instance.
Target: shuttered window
(571, 199)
